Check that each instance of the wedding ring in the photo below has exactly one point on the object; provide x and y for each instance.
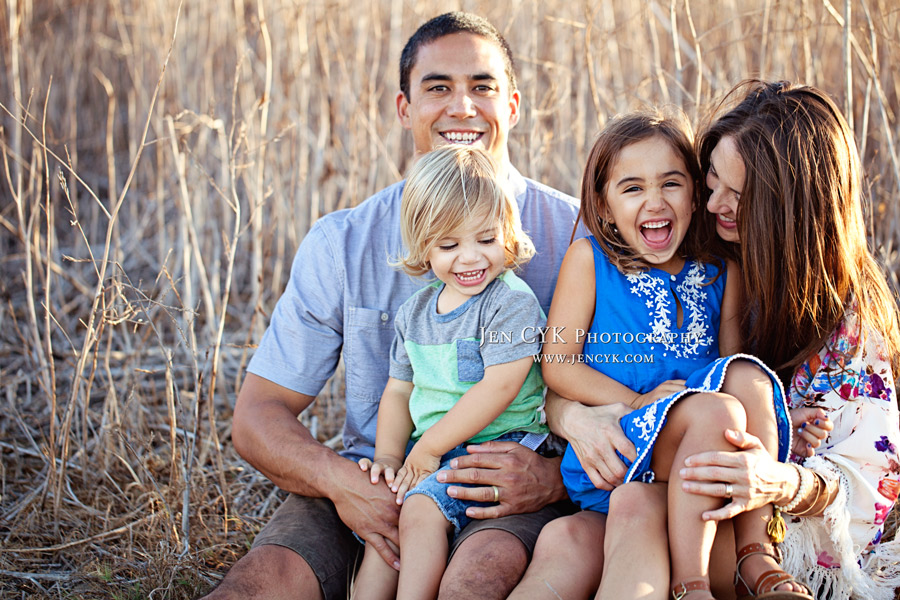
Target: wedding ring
(496, 493)
(728, 490)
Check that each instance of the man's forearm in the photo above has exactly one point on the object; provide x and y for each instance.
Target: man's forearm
(267, 434)
(557, 409)
(273, 441)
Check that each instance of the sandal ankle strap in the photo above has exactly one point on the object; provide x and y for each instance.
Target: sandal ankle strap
(758, 548)
(683, 589)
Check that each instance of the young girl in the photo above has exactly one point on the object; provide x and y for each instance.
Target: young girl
(462, 361)
(640, 308)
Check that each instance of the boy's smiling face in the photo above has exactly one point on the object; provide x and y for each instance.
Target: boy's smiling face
(467, 260)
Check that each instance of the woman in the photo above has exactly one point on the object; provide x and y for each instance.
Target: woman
(800, 238)
(784, 177)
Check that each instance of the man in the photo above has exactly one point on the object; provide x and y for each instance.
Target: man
(457, 86)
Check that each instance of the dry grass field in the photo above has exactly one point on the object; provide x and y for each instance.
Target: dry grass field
(160, 161)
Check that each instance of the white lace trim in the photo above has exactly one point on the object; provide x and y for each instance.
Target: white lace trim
(713, 381)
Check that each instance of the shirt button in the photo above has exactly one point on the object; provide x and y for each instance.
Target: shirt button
(384, 317)
(672, 277)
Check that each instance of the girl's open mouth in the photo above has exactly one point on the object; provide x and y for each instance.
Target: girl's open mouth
(657, 234)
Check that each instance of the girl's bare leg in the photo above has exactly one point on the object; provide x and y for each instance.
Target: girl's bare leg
(375, 580)
(641, 507)
(753, 388)
(636, 544)
(695, 424)
(721, 562)
(423, 548)
(567, 561)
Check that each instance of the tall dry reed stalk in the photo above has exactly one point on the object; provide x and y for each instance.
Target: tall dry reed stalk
(161, 161)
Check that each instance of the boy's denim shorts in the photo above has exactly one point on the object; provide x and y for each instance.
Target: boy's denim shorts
(454, 509)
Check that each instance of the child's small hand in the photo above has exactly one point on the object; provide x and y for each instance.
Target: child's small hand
(417, 467)
(811, 427)
(383, 465)
(666, 388)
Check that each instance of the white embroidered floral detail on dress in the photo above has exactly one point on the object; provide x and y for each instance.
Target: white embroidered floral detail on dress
(697, 338)
(647, 422)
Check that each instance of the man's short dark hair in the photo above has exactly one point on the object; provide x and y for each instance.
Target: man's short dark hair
(446, 24)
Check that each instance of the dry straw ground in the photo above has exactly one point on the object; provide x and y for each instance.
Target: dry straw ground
(159, 164)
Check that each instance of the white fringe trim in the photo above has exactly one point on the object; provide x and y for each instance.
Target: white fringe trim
(875, 579)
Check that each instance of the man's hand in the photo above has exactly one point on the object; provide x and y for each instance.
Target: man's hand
(595, 435)
(371, 511)
(525, 480)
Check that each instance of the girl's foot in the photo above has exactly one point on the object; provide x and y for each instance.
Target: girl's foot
(692, 589)
(759, 563)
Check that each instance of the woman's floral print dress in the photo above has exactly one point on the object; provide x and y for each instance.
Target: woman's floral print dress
(841, 553)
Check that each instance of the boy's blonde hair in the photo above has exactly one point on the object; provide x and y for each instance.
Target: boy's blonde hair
(443, 189)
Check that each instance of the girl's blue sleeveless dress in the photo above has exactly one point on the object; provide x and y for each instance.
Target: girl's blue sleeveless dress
(634, 338)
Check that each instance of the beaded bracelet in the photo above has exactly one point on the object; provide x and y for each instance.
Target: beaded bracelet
(812, 509)
(805, 479)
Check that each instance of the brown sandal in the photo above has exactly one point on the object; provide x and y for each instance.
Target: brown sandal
(768, 581)
(689, 585)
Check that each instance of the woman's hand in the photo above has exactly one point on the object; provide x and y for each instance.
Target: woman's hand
(756, 479)
(811, 427)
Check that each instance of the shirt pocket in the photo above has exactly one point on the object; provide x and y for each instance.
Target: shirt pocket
(367, 344)
(469, 364)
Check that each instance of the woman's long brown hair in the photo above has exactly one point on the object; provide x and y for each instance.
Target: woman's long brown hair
(803, 249)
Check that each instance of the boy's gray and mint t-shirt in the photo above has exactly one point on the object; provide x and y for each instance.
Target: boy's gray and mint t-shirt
(444, 355)
(343, 295)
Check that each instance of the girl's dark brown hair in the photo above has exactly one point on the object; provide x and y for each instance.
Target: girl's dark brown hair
(803, 249)
(622, 131)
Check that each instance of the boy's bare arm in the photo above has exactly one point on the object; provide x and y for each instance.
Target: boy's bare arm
(395, 427)
(474, 411)
(478, 407)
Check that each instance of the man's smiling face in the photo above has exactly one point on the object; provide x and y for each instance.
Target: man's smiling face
(459, 94)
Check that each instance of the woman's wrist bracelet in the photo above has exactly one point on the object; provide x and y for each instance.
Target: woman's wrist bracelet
(805, 480)
(811, 507)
